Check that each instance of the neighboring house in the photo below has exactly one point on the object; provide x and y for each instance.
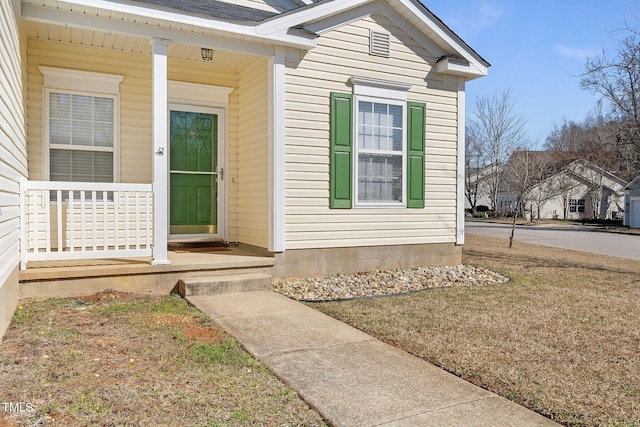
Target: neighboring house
(498, 193)
(632, 203)
(477, 188)
(319, 132)
(579, 190)
(582, 190)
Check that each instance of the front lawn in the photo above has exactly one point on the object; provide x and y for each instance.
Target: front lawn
(563, 338)
(115, 359)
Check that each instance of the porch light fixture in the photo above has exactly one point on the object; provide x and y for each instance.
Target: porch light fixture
(207, 54)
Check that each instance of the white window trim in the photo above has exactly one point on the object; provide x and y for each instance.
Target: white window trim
(74, 82)
(356, 201)
(383, 89)
(576, 204)
(382, 92)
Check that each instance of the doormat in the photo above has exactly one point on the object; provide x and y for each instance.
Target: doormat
(200, 249)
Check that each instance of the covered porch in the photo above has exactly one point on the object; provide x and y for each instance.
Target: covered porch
(123, 196)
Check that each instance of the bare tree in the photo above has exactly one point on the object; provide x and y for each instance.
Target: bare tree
(566, 138)
(523, 172)
(475, 173)
(563, 186)
(498, 130)
(617, 78)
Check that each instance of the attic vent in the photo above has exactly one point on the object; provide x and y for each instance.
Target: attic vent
(379, 43)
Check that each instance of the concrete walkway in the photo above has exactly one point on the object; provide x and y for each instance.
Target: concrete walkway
(351, 378)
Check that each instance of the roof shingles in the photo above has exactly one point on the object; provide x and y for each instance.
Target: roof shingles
(214, 9)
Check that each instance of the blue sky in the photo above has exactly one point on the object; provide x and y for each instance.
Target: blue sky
(537, 49)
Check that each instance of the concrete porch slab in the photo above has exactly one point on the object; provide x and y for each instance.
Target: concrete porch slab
(84, 277)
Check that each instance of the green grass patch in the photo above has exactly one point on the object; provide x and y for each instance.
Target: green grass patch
(229, 353)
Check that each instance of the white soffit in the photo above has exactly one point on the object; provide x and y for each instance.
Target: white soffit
(136, 19)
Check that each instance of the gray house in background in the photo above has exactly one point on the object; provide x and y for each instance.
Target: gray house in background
(582, 190)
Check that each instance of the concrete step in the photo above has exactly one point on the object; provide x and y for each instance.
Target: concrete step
(227, 284)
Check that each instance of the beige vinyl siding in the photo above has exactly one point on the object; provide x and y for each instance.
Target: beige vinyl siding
(341, 54)
(135, 98)
(253, 187)
(135, 102)
(13, 153)
(135, 145)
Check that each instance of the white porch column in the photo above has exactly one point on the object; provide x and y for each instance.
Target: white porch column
(276, 152)
(461, 161)
(160, 151)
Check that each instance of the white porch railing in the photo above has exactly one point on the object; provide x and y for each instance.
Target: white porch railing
(77, 220)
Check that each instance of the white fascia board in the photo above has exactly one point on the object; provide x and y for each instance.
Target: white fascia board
(282, 38)
(326, 24)
(60, 17)
(281, 24)
(476, 63)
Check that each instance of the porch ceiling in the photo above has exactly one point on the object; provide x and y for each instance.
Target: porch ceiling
(125, 43)
(132, 19)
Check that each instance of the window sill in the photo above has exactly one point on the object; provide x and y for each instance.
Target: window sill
(379, 205)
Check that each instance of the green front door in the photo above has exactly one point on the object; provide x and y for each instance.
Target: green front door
(193, 177)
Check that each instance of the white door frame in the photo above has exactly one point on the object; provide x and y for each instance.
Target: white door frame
(221, 169)
(216, 98)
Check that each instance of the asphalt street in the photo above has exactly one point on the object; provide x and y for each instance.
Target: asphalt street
(586, 239)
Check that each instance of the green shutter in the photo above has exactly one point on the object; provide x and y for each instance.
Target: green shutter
(416, 124)
(341, 175)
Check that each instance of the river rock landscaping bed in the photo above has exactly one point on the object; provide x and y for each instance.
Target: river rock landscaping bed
(385, 282)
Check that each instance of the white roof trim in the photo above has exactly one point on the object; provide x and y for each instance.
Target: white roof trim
(282, 23)
(274, 31)
(447, 35)
(282, 38)
(345, 11)
(377, 7)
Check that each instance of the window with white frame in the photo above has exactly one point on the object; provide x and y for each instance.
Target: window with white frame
(377, 146)
(379, 151)
(576, 205)
(81, 137)
(81, 130)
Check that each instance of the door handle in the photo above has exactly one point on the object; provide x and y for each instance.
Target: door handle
(221, 173)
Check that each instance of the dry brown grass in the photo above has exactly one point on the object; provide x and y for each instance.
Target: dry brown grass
(563, 338)
(119, 359)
